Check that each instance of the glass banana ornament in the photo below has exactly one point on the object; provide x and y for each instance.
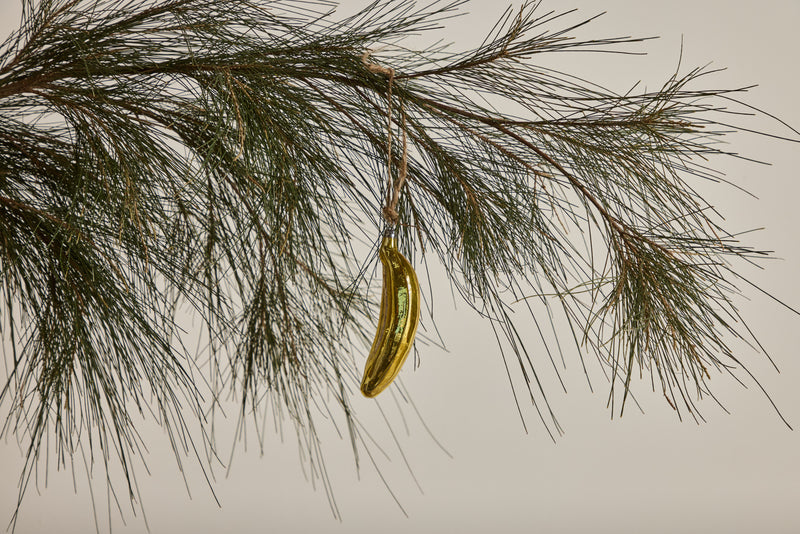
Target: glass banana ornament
(398, 320)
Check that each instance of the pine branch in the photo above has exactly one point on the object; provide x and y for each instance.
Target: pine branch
(228, 158)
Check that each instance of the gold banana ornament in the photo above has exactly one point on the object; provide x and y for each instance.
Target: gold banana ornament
(398, 319)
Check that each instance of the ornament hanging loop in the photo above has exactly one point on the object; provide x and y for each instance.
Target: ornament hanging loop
(389, 211)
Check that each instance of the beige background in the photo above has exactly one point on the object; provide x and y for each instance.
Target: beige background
(737, 473)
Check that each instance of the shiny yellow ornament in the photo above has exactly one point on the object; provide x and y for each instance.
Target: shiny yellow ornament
(398, 320)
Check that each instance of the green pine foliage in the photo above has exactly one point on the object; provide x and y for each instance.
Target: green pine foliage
(228, 157)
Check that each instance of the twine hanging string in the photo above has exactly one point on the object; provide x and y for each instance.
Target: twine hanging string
(393, 192)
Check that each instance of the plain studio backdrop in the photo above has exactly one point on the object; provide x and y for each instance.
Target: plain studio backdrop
(644, 472)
